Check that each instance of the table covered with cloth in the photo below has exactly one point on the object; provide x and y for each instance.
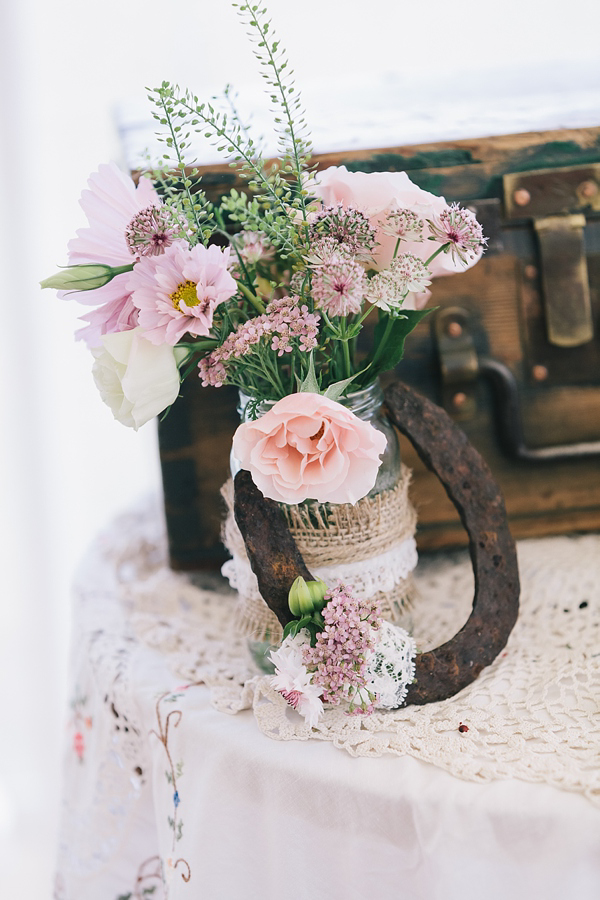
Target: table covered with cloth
(188, 777)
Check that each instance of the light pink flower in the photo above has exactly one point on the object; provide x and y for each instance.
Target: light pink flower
(110, 204)
(308, 446)
(378, 194)
(179, 291)
(406, 274)
(459, 228)
(292, 679)
(254, 247)
(338, 287)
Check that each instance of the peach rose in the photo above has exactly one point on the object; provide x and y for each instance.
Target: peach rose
(377, 194)
(310, 447)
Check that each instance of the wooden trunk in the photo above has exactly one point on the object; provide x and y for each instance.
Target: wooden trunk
(512, 350)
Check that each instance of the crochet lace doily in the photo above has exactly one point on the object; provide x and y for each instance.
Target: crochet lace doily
(532, 715)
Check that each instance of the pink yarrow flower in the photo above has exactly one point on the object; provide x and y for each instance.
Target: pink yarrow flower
(284, 324)
(310, 447)
(338, 663)
(178, 292)
(110, 203)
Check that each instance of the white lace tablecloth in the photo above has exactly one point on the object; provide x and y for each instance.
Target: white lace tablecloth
(494, 793)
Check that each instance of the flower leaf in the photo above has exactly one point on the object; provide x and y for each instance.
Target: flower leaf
(335, 391)
(289, 628)
(310, 384)
(389, 336)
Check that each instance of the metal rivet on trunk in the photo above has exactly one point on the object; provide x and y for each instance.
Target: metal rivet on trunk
(588, 189)
(454, 329)
(521, 197)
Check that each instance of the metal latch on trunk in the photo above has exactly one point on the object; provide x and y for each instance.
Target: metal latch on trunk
(557, 200)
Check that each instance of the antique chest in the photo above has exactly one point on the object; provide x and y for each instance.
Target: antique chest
(512, 349)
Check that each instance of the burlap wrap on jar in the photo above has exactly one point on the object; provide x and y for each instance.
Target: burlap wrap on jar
(370, 545)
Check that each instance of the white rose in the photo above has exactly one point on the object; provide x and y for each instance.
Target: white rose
(135, 378)
(377, 194)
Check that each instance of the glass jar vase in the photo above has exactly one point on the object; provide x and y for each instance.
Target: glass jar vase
(369, 544)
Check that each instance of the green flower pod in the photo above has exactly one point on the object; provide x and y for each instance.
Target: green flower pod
(86, 277)
(299, 598)
(317, 590)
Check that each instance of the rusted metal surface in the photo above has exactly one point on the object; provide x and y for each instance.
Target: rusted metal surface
(444, 449)
(442, 672)
(549, 192)
(272, 551)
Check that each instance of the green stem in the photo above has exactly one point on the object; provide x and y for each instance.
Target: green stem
(256, 303)
(437, 253)
(290, 121)
(383, 340)
(181, 166)
(396, 248)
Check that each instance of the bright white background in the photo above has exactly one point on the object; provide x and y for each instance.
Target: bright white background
(65, 466)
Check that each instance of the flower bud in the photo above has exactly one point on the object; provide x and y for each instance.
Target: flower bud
(86, 277)
(317, 590)
(299, 598)
(306, 597)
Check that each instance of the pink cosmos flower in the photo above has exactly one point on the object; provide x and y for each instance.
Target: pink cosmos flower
(179, 291)
(378, 194)
(308, 446)
(110, 204)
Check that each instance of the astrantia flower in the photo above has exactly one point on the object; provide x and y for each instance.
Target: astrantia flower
(406, 274)
(110, 204)
(377, 194)
(152, 230)
(254, 247)
(325, 251)
(338, 288)
(404, 224)
(459, 228)
(179, 291)
(292, 679)
(347, 226)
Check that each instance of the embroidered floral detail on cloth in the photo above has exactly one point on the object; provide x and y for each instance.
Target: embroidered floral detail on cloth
(175, 770)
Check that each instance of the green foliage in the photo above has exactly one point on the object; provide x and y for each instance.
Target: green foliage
(178, 187)
(388, 342)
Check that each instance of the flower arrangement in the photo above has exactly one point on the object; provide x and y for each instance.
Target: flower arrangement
(267, 290)
(333, 653)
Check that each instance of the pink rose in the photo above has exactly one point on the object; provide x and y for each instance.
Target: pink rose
(309, 447)
(377, 194)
